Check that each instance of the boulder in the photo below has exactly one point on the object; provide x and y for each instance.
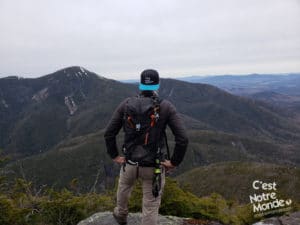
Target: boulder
(106, 218)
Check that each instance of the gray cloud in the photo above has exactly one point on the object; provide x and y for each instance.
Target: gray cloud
(118, 39)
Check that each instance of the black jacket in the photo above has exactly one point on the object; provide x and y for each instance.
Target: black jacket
(167, 116)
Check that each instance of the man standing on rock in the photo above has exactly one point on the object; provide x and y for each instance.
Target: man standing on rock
(144, 119)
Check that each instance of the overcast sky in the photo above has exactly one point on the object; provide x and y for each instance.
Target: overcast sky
(118, 39)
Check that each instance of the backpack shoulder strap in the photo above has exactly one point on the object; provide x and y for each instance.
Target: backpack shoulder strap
(156, 107)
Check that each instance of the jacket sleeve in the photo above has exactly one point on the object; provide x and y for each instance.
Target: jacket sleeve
(112, 130)
(181, 141)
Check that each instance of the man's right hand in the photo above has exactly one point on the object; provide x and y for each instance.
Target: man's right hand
(168, 165)
(119, 160)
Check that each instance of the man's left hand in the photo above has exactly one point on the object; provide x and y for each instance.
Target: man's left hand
(119, 160)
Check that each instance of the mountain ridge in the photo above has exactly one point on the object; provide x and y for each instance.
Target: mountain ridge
(31, 102)
(286, 83)
(37, 113)
(55, 123)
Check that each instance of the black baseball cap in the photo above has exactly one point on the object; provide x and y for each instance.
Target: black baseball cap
(149, 80)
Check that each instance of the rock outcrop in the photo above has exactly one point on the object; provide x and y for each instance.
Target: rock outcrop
(291, 219)
(106, 218)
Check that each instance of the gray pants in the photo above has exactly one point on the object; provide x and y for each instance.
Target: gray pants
(150, 203)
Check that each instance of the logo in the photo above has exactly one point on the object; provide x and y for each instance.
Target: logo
(148, 80)
(267, 202)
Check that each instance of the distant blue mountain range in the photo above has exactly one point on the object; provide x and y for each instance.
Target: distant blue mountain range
(288, 83)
